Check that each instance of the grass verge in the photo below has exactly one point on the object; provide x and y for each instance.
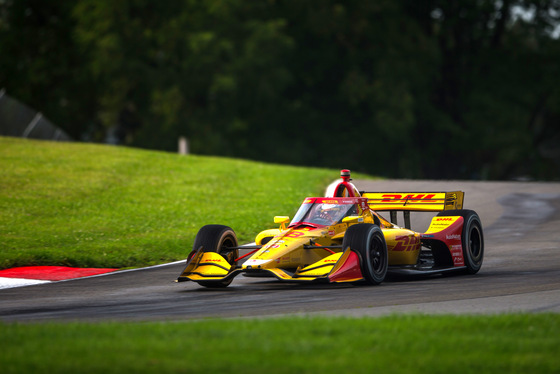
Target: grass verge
(395, 344)
(90, 205)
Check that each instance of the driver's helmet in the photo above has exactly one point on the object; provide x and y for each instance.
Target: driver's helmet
(328, 212)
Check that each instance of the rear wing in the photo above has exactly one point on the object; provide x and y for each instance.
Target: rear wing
(414, 202)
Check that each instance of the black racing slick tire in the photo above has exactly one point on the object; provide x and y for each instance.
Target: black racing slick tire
(368, 241)
(472, 238)
(219, 239)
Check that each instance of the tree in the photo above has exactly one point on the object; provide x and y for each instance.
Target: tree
(430, 89)
(40, 63)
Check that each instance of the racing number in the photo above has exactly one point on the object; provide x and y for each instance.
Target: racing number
(294, 234)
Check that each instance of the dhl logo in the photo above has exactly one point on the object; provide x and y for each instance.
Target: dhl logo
(406, 243)
(213, 260)
(444, 219)
(411, 198)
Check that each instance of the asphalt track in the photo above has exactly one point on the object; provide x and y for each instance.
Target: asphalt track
(521, 273)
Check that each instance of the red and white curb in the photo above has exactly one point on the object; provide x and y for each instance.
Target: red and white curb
(31, 275)
(19, 282)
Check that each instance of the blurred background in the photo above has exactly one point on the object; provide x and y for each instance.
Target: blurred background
(448, 89)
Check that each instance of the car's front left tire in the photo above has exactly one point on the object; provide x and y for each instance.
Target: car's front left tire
(472, 238)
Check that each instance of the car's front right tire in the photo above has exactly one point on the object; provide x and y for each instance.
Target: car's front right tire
(368, 241)
(220, 239)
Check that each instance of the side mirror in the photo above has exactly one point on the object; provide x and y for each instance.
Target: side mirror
(282, 220)
(353, 219)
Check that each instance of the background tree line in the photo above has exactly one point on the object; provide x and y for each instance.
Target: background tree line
(401, 88)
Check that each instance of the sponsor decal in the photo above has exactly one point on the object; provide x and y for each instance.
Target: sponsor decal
(453, 237)
(213, 260)
(335, 201)
(406, 198)
(457, 255)
(330, 260)
(440, 224)
(444, 219)
(256, 262)
(331, 233)
(406, 243)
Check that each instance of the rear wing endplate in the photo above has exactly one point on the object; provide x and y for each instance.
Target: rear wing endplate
(413, 202)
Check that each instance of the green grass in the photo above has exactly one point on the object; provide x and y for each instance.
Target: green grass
(92, 205)
(393, 344)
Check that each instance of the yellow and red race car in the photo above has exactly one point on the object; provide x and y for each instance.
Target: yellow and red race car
(342, 238)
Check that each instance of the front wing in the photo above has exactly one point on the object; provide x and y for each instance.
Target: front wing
(211, 267)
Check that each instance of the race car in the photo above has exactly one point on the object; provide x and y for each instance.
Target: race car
(342, 237)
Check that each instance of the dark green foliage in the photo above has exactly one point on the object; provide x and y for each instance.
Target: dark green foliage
(432, 89)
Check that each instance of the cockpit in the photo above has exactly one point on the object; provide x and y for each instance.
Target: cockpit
(325, 211)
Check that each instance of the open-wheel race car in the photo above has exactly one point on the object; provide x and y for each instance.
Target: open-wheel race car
(342, 238)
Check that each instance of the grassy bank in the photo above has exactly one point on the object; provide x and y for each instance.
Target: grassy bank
(394, 344)
(92, 205)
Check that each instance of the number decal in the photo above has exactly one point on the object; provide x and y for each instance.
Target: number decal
(294, 234)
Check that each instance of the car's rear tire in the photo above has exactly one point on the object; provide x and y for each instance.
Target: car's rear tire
(368, 241)
(472, 238)
(217, 238)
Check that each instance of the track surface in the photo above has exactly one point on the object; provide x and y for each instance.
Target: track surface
(521, 272)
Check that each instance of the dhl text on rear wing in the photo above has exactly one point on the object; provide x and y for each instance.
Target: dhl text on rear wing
(413, 201)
